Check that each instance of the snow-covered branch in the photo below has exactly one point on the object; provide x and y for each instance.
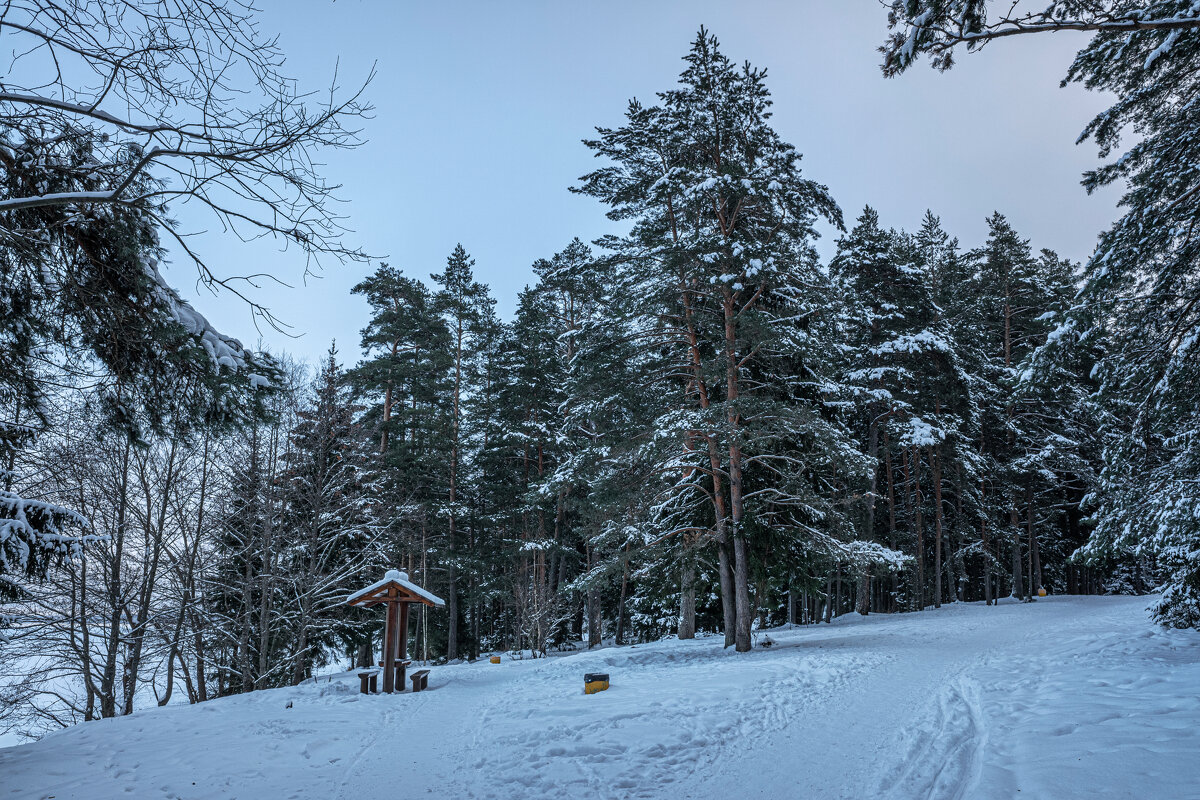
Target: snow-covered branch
(937, 28)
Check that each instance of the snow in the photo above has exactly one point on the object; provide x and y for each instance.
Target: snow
(223, 350)
(910, 41)
(921, 434)
(53, 197)
(1066, 697)
(18, 531)
(1162, 49)
(861, 553)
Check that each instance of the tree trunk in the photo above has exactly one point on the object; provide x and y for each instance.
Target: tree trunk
(1035, 562)
(864, 580)
(621, 603)
(687, 597)
(452, 603)
(154, 532)
(451, 571)
(837, 605)
(365, 654)
(741, 585)
(1018, 586)
(173, 654)
(201, 659)
(595, 619)
(863, 601)
(85, 650)
(108, 680)
(243, 651)
(988, 595)
(720, 513)
(935, 457)
(741, 561)
(729, 617)
(829, 598)
(893, 604)
(961, 578)
(264, 611)
(919, 522)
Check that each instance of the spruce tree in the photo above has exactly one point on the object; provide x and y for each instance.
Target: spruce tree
(328, 543)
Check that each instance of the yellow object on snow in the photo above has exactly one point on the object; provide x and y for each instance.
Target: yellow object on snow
(1042, 592)
(595, 682)
(495, 659)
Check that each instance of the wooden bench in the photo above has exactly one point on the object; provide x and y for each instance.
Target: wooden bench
(368, 680)
(420, 680)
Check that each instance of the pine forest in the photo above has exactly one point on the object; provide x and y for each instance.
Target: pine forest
(700, 424)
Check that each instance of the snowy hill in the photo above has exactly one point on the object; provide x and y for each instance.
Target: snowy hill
(1068, 697)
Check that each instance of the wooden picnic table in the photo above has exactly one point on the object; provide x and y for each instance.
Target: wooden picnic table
(398, 593)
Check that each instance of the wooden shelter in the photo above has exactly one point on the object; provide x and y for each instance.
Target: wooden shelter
(398, 593)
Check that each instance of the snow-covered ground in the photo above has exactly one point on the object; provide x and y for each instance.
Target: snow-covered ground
(1069, 697)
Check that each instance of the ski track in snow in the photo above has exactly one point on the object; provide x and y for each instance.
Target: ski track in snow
(945, 757)
(1065, 698)
(1093, 708)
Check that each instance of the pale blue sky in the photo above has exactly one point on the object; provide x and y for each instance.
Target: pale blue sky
(481, 106)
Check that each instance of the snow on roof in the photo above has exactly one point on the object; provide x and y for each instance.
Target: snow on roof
(401, 579)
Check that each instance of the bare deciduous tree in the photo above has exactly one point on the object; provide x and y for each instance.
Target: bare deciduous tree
(189, 92)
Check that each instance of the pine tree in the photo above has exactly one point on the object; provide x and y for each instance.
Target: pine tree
(532, 400)
(33, 532)
(240, 585)
(569, 290)
(244, 605)
(599, 472)
(885, 316)
(1008, 304)
(958, 379)
(722, 236)
(1140, 301)
(495, 478)
(466, 307)
(405, 381)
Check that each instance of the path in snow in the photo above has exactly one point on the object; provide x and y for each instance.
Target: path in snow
(1068, 697)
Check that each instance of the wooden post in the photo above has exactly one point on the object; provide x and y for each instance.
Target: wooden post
(402, 646)
(403, 637)
(389, 648)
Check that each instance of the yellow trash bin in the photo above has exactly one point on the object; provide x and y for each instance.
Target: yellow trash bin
(595, 682)
(495, 659)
